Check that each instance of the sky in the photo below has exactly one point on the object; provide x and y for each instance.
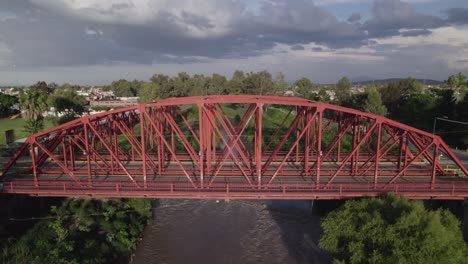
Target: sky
(93, 42)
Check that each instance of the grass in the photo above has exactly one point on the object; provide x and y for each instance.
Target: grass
(17, 125)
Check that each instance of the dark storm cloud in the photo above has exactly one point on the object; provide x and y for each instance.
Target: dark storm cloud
(457, 16)
(389, 16)
(49, 33)
(416, 32)
(317, 49)
(355, 17)
(297, 47)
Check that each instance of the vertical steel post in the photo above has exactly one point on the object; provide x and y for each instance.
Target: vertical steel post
(157, 118)
(88, 158)
(434, 165)
(319, 147)
(64, 152)
(258, 143)
(207, 137)
(143, 144)
(34, 165)
(307, 141)
(401, 152)
(377, 155)
(72, 154)
(358, 139)
(201, 152)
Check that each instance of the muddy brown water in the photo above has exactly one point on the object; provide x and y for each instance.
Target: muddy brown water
(210, 231)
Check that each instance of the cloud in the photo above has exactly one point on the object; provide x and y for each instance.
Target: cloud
(457, 16)
(67, 33)
(354, 18)
(297, 47)
(89, 31)
(389, 16)
(415, 32)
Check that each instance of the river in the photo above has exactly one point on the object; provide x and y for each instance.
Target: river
(210, 231)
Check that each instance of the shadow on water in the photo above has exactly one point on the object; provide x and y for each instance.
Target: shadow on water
(300, 230)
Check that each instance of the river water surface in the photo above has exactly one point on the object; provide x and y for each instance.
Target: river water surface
(210, 231)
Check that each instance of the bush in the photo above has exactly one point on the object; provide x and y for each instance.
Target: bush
(392, 230)
(83, 231)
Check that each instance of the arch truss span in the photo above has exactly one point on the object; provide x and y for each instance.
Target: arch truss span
(235, 146)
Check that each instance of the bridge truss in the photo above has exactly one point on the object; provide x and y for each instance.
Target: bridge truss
(235, 147)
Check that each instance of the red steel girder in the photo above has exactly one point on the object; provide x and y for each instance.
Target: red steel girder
(207, 152)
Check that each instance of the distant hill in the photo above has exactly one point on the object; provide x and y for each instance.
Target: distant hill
(361, 80)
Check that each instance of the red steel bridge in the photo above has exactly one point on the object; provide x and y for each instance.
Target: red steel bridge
(235, 147)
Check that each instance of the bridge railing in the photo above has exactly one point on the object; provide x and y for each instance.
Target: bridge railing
(449, 190)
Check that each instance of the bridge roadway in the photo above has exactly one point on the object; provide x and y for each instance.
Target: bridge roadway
(230, 185)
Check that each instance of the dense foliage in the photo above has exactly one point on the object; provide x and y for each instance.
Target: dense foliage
(6, 102)
(392, 230)
(67, 104)
(34, 102)
(83, 231)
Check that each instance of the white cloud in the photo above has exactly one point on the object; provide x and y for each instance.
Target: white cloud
(89, 31)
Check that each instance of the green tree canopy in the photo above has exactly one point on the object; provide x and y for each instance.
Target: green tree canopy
(148, 92)
(373, 103)
(83, 231)
(343, 92)
(392, 230)
(280, 84)
(305, 88)
(67, 103)
(34, 103)
(236, 84)
(259, 83)
(217, 84)
(6, 102)
(124, 88)
(457, 81)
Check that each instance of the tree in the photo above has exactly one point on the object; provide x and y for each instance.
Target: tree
(395, 95)
(179, 85)
(198, 85)
(43, 87)
(34, 103)
(83, 231)
(164, 84)
(148, 92)
(343, 91)
(373, 103)
(280, 84)
(446, 103)
(236, 84)
(67, 103)
(305, 88)
(258, 83)
(6, 102)
(392, 230)
(457, 81)
(124, 88)
(217, 84)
